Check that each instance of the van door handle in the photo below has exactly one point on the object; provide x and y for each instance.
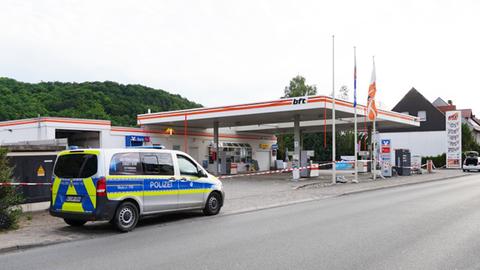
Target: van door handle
(171, 179)
(183, 179)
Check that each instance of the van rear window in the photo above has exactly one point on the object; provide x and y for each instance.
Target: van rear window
(76, 166)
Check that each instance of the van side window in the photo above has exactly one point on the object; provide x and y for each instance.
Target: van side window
(157, 164)
(186, 166)
(126, 164)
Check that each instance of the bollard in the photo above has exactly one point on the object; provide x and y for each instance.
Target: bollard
(429, 166)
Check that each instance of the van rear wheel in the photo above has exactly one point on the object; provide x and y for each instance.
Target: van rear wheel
(213, 205)
(126, 217)
(75, 222)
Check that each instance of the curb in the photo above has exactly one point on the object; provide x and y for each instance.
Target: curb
(405, 184)
(400, 185)
(29, 246)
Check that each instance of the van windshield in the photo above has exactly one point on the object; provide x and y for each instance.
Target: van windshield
(76, 166)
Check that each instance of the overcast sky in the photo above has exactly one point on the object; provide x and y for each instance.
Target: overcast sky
(227, 52)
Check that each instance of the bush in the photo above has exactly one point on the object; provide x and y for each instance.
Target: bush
(438, 161)
(10, 198)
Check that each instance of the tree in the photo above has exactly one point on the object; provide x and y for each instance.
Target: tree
(315, 141)
(10, 198)
(468, 141)
(96, 100)
(343, 92)
(298, 88)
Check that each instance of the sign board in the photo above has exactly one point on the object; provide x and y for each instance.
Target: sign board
(454, 139)
(40, 171)
(133, 140)
(386, 157)
(347, 158)
(298, 101)
(363, 153)
(416, 162)
(264, 146)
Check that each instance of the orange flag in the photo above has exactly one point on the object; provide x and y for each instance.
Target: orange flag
(372, 90)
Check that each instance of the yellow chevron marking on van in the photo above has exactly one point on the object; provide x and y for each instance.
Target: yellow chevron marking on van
(91, 190)
(56, 185)
(71, 190)
(72, 207)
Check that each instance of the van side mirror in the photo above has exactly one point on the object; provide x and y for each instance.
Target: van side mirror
(201, 173)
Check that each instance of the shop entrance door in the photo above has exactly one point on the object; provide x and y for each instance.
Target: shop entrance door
(263, 158)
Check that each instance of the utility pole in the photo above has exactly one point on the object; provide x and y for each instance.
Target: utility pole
(334, 169)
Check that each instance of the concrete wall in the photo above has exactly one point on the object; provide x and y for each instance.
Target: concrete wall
(423, 143)
(28, 132)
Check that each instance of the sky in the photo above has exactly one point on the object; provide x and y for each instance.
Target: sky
(230, 52)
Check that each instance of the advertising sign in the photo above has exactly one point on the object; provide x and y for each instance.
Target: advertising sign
(386, 157)
(300, 100)
(416, 162)
(454, 139)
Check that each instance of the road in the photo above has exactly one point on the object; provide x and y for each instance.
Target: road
(426, 226)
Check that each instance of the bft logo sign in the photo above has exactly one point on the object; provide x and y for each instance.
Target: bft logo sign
(297, 101)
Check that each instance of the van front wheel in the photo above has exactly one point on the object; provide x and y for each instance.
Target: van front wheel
(126, 217)
(75, 222)
(213, 205)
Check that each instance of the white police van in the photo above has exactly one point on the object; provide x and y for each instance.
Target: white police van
(471, 162)
(122, 185)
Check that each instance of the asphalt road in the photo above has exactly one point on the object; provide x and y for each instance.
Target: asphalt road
(427, 226)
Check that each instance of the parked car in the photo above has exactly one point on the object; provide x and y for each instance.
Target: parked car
(471, 162)
(122, 185)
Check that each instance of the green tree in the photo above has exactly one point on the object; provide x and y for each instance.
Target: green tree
(97, 100)
(468, 141)
(298, 88)
(314, 141)
(10, 198)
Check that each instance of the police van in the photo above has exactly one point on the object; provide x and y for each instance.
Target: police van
(122, 185)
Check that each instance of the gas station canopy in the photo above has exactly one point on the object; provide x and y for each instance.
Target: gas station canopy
(314, 112)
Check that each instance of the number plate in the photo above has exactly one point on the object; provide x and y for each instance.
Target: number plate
(74, 199)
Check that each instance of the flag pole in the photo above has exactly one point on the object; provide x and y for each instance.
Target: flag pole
(374, 137)
(374, 154)
(334, 172)
(355, 141)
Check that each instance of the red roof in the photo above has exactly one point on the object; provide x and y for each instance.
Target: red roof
(467, 113)
(447, 108)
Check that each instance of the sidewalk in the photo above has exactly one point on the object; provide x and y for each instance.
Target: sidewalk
(243, 194)
(241, 197)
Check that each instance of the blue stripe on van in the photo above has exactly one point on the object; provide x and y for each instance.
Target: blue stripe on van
(86, 200)
(62, 191)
